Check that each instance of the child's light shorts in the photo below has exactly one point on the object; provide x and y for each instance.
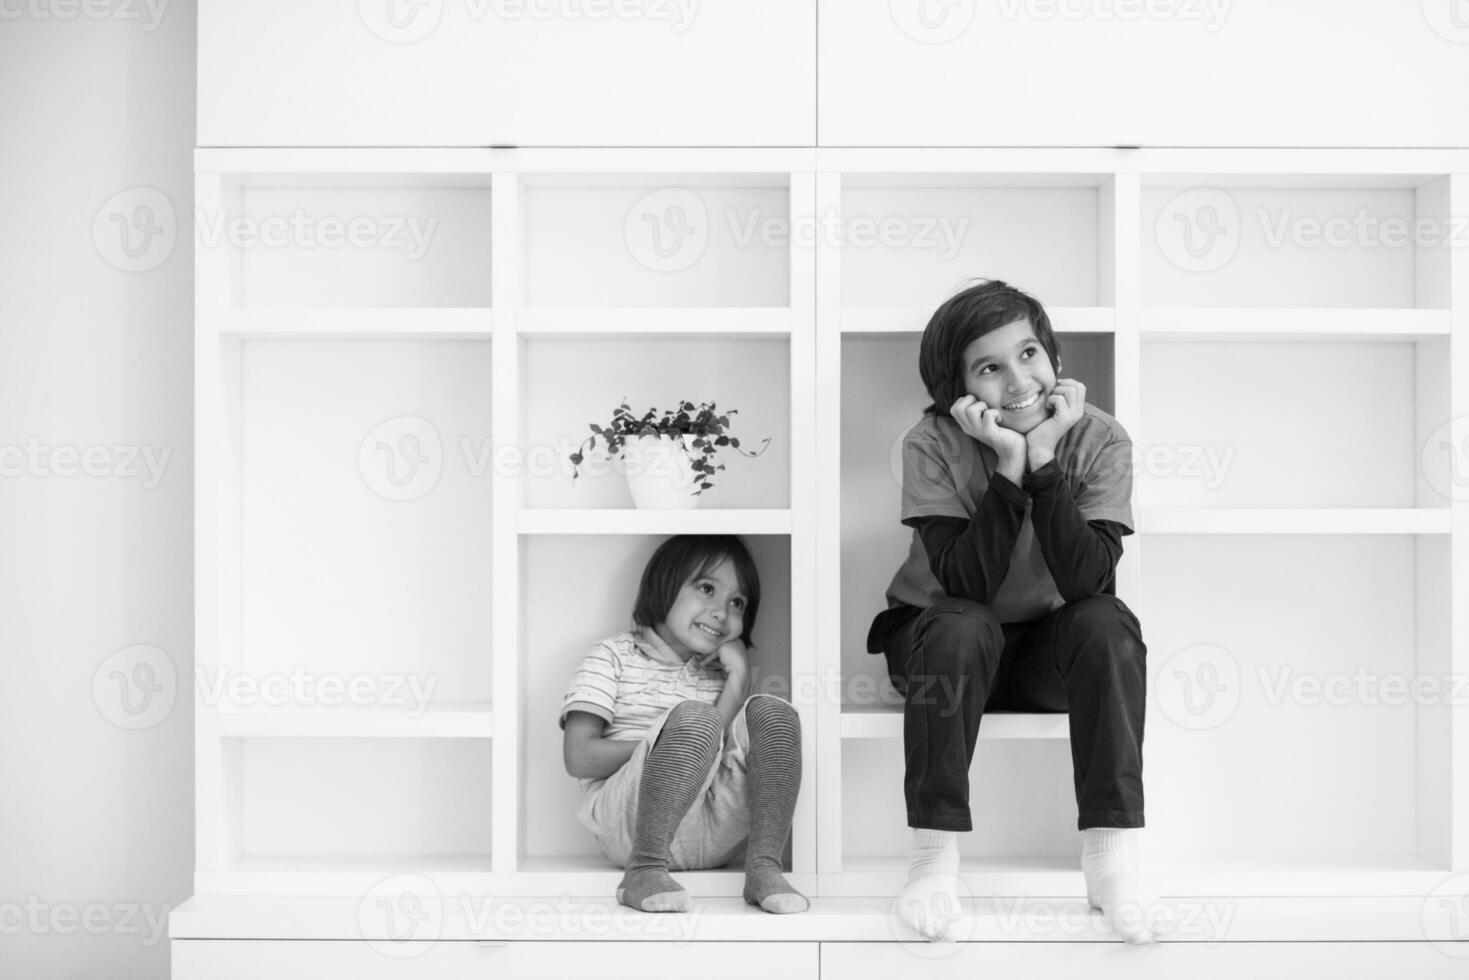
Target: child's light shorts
(716, 826)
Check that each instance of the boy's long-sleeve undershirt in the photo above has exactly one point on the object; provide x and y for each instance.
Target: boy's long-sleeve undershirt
(970, 558)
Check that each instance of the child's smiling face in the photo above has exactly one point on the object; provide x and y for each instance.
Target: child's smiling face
(709, 611)
(1009, 369)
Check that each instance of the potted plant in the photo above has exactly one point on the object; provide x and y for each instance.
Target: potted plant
(668, 458)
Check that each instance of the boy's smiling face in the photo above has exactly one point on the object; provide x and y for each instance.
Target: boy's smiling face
(709, 611)
(1009, 369)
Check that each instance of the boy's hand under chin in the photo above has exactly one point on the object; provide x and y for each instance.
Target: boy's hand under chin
(981, 422)
(1066, 402)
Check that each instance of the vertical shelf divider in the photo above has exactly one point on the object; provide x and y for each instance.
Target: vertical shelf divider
(1120, 254)
(506, 243)
(805, 471)
(212, 823)
(828, 527)
(1458, 585)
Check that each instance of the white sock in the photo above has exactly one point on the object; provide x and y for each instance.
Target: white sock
(929, 902)
(1109, 862)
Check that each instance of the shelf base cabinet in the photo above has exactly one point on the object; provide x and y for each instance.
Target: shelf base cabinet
(235, 959)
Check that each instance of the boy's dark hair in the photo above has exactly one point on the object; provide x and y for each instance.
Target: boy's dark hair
(961, 318)
(687, 556)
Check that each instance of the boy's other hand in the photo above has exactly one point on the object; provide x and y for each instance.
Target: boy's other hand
(1066, 402)
(983, 423)
(730, 658)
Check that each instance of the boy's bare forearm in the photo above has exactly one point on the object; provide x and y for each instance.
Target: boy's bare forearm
(732, 698)
(598, 758)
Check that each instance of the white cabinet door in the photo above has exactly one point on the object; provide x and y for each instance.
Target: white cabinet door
(1144, 72)
(507, 72)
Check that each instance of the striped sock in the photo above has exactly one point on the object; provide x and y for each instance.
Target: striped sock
(672, 774)
(775, 778)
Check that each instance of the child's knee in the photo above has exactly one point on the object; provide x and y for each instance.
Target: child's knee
(766, 712)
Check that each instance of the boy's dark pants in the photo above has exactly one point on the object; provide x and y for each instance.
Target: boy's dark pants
(955, 659)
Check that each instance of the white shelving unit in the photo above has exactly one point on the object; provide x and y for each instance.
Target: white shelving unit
(381, 495)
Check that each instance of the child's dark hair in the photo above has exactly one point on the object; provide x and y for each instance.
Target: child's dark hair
(684, 557)
(961, 318)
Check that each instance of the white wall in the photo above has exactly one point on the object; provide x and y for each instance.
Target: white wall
(93, 356)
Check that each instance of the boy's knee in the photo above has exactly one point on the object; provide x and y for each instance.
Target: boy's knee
(1111, 627)
(765, 711)
(962, 629)
(694, 717)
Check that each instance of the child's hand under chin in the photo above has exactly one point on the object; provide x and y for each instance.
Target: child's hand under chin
(729, 659)
(1066, 402)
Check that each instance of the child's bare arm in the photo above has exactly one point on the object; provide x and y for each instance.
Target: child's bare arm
(586, 753)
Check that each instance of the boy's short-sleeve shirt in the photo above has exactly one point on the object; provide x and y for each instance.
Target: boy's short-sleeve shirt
(631, 680)
(946, 473)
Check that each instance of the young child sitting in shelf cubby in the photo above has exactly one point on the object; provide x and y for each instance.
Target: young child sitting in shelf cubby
(679, 768)
(1019, 494)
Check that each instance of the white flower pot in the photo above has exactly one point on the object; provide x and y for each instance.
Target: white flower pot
(660, 473)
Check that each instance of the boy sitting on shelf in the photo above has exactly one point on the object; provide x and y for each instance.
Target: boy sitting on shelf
(1018, 494)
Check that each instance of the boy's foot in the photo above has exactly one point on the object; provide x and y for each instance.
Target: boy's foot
(653, 890)
(766, 887)
(1114, 888)
(929, 902)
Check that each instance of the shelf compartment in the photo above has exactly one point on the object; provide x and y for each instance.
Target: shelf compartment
(444, 721)
(728, 322)
(356, 324)
(363, 540)
(1303, 520)
(881, 721)
(1364, 242)
(590, 378)
(914, 238)
(896, 320)
(657, 240)
(332, 240)
(344, 804)
(1288, 424)
(1309, 699)
(554, 570)
(1244, 323)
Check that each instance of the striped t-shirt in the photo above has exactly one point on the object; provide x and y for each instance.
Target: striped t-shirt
(632, 679)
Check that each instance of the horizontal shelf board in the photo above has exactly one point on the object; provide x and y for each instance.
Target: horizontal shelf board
(1203, 520)
(882, 721)
(1344, 875)
(912, 319)
(356, 324)
(632, 521)
(453, 721)
(758, 320)
(1244, 323)
(726, 918)
(266, 164)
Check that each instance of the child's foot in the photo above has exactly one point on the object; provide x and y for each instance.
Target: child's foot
(929, 902)
(1113, 887)
(766, 887)
(653, 890)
